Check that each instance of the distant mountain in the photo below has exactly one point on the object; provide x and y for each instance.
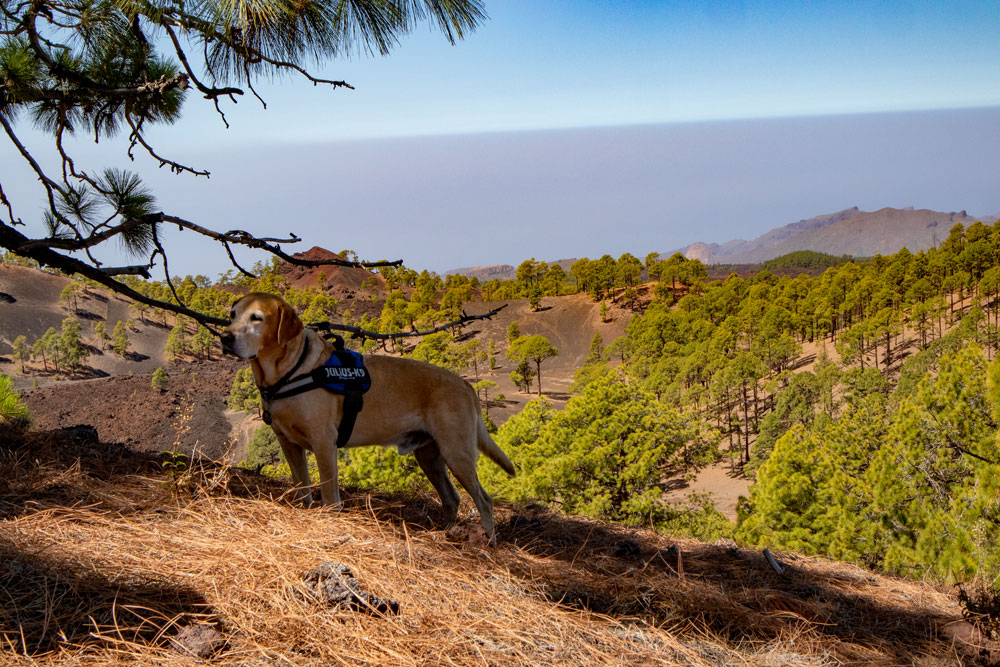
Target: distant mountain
(849, 232)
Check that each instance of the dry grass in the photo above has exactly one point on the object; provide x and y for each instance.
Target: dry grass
(103, 561)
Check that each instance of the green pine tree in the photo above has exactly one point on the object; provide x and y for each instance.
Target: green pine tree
(159, 380)
(12, 408)
(119, 339)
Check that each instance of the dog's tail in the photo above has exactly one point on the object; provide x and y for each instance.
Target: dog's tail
(490, 448)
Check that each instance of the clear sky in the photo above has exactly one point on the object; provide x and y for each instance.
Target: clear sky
(547, 64)
(557, 121)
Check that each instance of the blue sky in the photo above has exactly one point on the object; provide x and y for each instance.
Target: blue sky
(549, 65)
(664, 122)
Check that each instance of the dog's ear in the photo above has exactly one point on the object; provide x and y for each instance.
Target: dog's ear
(289, 324)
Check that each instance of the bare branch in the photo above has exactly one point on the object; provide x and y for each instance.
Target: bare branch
(136, 137)
(238, 237)
(137, 270)
(90, 241)
(315, 81)
(365, 333)
(47, 182)
(166, 268)
(241, 237)
(232, 259)
(10, 209)
(209, 92)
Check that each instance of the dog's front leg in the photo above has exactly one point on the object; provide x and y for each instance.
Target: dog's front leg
(296, 457)
(326, 461)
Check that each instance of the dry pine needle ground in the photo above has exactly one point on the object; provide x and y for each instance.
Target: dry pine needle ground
(106, 559)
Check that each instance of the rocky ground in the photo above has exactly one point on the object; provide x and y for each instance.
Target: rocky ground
(189, 414)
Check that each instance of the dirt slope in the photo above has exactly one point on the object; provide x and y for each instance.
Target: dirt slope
(569, 322)
(29, 305)
(190, 414)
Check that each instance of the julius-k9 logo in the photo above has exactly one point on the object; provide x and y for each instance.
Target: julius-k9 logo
(341, 373)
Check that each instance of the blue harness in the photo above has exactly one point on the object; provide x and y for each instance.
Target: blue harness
(343, 373)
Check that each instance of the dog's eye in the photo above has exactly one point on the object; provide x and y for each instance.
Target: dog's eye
(256, 318)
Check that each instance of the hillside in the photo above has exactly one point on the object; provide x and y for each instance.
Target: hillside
(142, 566)
(30, 305)
(113, 393)
(849, 232)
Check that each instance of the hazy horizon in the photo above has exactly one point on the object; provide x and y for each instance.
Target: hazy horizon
(447, 202)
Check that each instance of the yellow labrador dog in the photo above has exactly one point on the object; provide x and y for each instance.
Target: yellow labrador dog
(416, 406)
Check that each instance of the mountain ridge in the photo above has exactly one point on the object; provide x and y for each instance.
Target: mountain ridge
(850, 231)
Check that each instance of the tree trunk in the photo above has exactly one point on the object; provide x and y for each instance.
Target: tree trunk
(746, 424)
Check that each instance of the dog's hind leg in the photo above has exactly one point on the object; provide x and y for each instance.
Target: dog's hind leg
(463, 467)
(434, 467)
(296, 457)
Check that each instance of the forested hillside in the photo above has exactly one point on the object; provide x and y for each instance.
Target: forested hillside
(863, 400)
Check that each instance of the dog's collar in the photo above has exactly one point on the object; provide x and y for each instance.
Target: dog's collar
(270, 392)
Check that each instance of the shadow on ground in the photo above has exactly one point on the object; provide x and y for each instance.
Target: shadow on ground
(626, 574)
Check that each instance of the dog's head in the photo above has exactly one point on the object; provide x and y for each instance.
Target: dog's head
(259, 322)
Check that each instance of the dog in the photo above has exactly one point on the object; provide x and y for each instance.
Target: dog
(416, 406)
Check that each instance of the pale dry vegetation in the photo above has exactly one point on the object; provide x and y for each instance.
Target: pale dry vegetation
(105, 558)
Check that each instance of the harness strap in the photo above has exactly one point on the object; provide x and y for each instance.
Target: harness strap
(272, 392)
(353, 400)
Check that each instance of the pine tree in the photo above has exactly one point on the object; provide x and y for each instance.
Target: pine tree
(596, 353)
(535, 348)
(243, 395)
(177, 340)
(159, 380)
(45, 346)
(12, 407)
(522, 376)
(786, 501)
(70, 347)
(101, 333)
(202, 342)
(119, 339)
(604, 455)
(936, 480)
(22, 352)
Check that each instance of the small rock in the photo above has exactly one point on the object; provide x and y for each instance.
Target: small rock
(200, 640)
(334, 584)
(732, 549)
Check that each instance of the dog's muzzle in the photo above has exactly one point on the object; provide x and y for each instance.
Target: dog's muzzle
(228, 339)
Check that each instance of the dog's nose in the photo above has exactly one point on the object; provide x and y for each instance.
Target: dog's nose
(227, 339)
